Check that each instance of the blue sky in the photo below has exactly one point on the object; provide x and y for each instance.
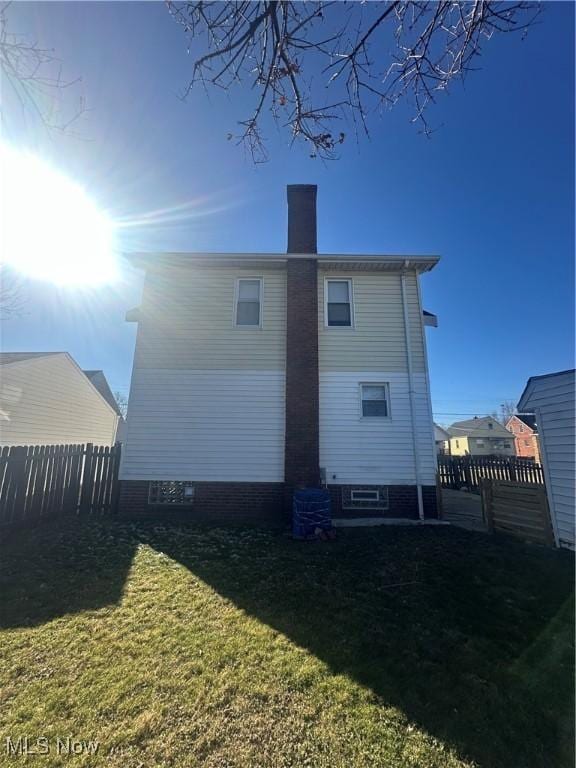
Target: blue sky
(492, 192)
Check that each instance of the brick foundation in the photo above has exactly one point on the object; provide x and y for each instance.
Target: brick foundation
(262, 503)
(225, 503)
(402, 503)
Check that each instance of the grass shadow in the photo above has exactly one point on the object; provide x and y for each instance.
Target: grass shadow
(60, 568)
(470, 636)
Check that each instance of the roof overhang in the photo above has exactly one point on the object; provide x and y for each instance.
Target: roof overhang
(344, 262)
(524, 401)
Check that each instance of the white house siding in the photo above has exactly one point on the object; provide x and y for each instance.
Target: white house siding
(205, 425)
(187, 321)
(377, 340)
(49, 401)
(374, 451)
(207, 398)
(552, 398)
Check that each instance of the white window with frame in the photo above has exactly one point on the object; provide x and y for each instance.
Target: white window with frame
(365, 497)
(338, 303)
(248, 304)
(374, 401)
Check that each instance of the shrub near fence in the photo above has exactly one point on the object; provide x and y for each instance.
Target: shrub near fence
(44, 481)
(459, 472)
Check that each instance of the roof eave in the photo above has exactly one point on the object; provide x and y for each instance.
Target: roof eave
(422, 263)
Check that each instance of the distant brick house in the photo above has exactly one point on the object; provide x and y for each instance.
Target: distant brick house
(525, 430)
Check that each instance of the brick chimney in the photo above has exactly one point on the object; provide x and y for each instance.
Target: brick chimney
(302, 461)
(302, 218)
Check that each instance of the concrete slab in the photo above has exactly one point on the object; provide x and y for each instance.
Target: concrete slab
(360, 522)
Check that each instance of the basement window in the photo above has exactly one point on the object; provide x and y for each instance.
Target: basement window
(365, 497)
(338, 303)
(248, 309)
(375, 401)
(173, 493)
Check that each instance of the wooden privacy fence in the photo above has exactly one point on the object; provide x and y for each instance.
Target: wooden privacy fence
(457, 472)
(44, 481)
(519, 510)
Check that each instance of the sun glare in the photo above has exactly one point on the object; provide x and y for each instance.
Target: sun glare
(50, 229)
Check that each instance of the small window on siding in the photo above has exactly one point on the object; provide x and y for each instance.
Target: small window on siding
(375, 401)
(249, 302)
(365, 497)
(338, 297)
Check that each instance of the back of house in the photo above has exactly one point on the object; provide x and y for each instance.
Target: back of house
(256, 374)
(551, 398)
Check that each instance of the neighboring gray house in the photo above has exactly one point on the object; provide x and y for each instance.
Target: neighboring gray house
(551, 398)
(480, 437)
(46, 399)
(99, 380)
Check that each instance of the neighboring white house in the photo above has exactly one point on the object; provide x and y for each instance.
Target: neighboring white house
(442, 439)
(46, 399)
(551, 398)
(255, 374)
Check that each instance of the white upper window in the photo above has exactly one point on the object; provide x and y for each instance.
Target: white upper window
(338, 301)
(375, 401)
(248, 311)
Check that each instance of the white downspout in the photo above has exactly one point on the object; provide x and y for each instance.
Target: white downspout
(411, 393)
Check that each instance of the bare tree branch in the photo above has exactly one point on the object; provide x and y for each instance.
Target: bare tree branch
(11, 300)
(368, 54)
(34, 75)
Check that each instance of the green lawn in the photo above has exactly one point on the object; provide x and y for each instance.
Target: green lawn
(188, 646)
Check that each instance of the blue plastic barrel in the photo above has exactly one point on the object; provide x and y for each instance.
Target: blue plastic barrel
(310, 510)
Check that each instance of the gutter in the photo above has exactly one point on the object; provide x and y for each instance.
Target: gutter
(139, 259)
(411, 392)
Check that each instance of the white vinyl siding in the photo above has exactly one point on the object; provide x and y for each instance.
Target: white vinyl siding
(552, 400)
(224, 425)
(49, 401)
(374, 451)
(376, 341)
(188, 321)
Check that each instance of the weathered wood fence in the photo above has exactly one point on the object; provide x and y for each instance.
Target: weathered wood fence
(45, 481)
(518, 510)
(457, 472)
